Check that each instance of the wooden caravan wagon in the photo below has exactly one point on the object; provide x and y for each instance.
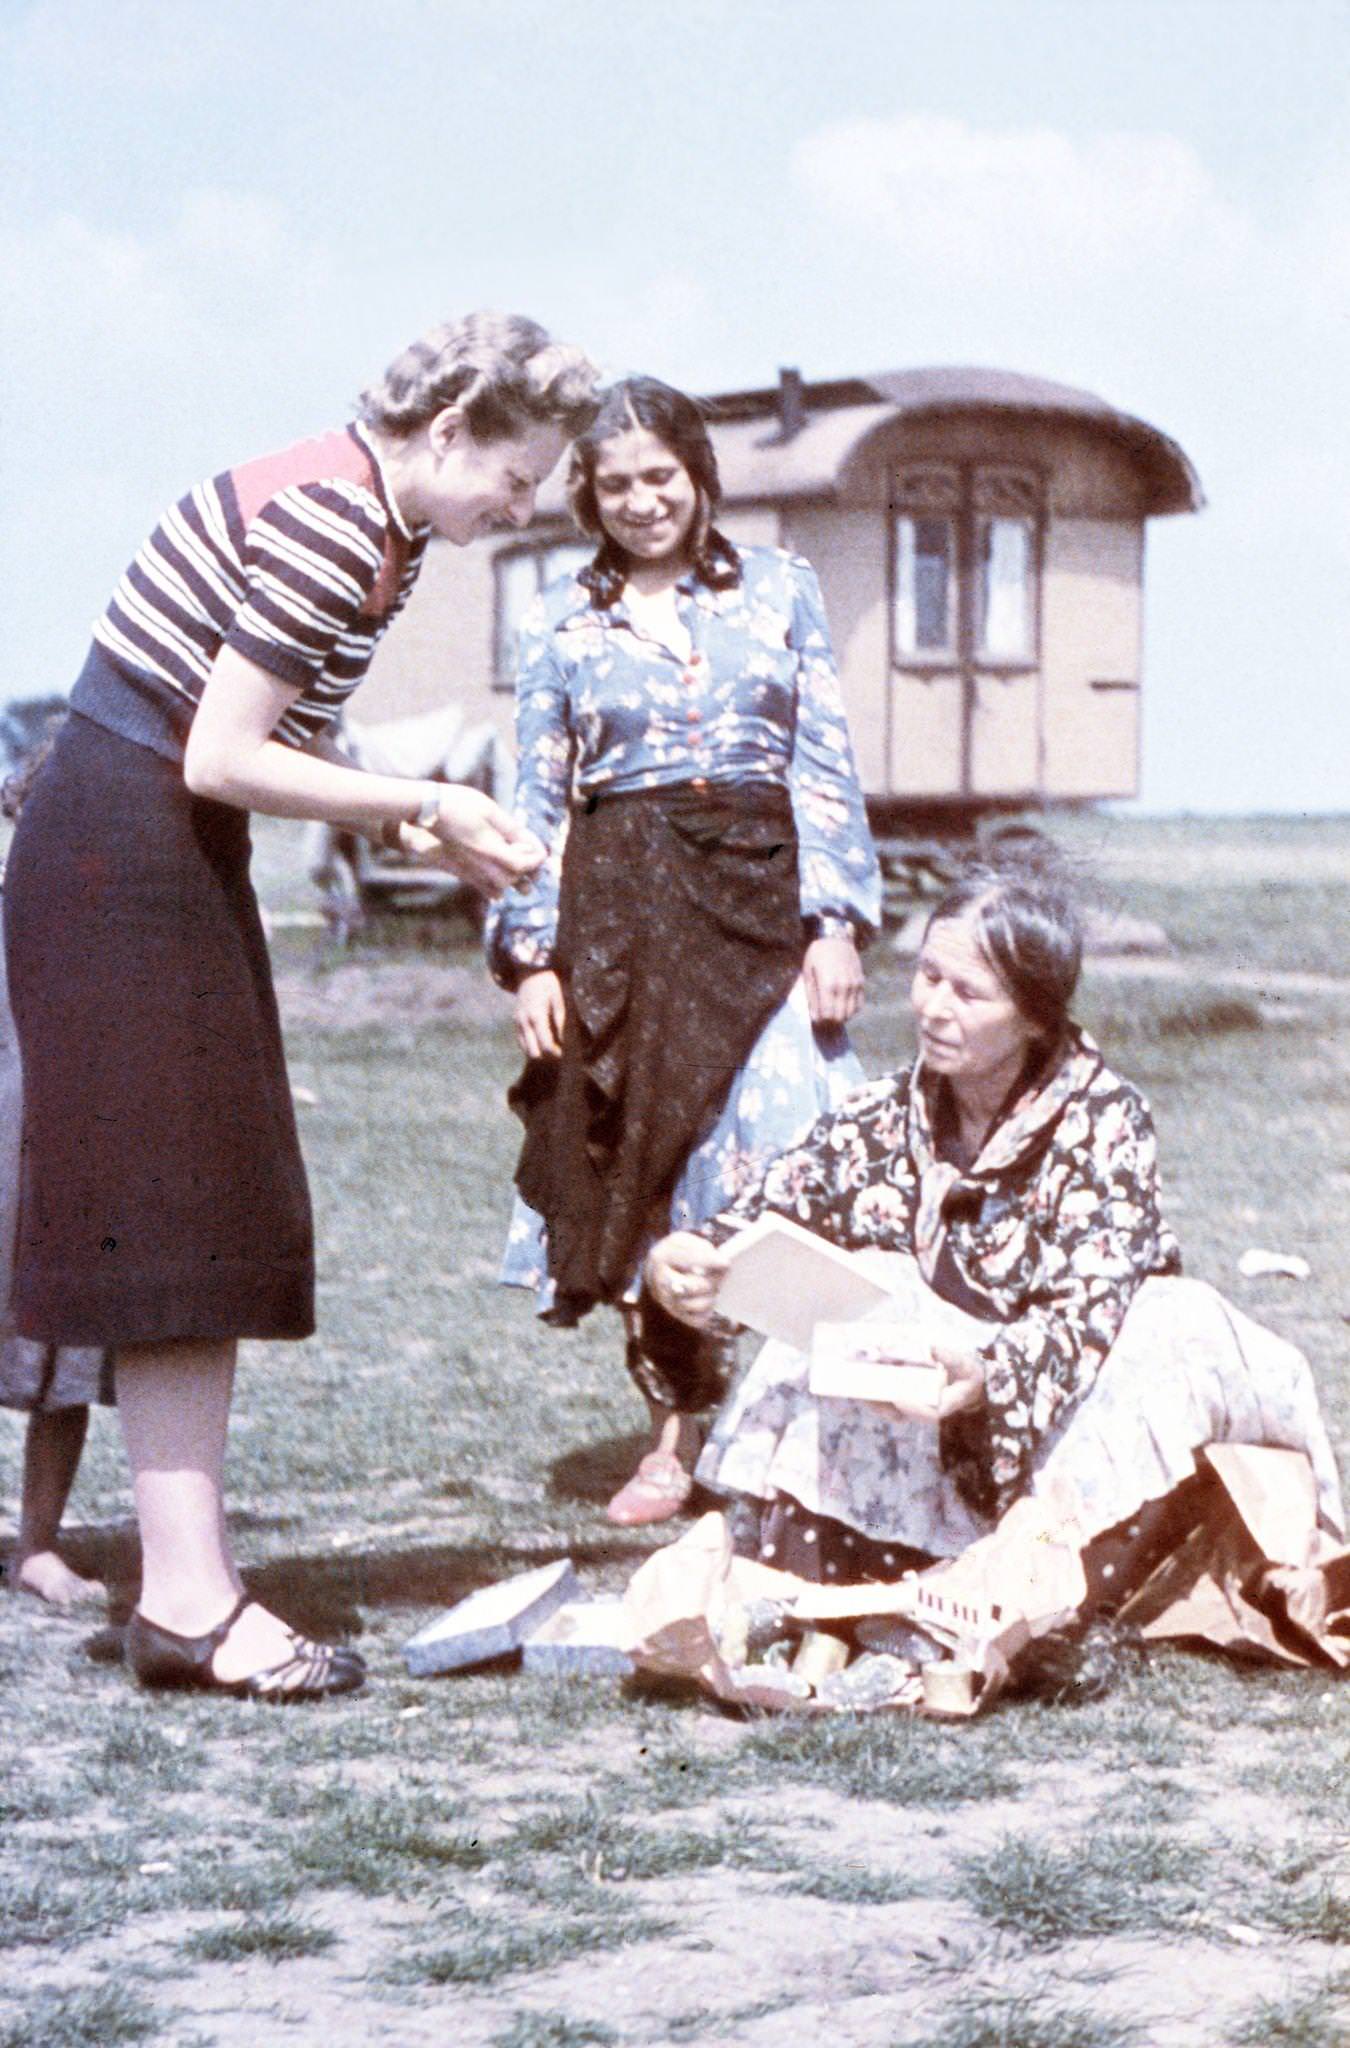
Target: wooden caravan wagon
(979, 537)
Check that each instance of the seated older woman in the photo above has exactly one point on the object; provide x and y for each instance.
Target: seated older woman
(1006, 1187)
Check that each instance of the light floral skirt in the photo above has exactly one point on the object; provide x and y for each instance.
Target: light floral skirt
(1187, 1369)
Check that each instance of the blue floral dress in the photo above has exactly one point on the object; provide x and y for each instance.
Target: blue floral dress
(603, 706)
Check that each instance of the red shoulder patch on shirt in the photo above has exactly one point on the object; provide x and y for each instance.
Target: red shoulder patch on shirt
(336, 455)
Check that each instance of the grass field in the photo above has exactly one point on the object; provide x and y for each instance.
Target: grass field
(505, 1862)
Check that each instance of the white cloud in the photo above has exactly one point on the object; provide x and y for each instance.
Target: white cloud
(961, 199)
(196, 287)
(125, 354)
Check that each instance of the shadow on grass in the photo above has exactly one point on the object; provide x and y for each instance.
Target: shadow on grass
(110, 1555)
(593, 1472)
(326, 1595)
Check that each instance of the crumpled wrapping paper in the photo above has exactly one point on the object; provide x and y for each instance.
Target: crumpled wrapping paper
(1255, 1577)
(687, 1613)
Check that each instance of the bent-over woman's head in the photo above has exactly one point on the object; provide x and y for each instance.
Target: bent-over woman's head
(1029, 931)
(633, 415)
(505, 373)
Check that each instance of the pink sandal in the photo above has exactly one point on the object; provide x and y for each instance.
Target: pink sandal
(657, 1491)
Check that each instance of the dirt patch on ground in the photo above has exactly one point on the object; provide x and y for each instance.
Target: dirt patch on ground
(750, 1954)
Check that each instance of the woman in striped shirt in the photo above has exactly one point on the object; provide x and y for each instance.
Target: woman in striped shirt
(164, 1204)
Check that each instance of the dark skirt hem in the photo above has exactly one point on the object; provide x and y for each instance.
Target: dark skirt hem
(269, 1306)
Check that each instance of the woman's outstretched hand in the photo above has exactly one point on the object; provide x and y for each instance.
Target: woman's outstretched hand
(480, 842)
(540, 1013)
(685, 1272)
(833, 975)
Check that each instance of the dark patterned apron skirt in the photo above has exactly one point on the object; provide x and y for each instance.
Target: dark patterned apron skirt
(679, 935)
(162, 1190)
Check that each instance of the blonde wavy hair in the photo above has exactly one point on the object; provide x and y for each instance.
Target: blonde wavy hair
(504, 372)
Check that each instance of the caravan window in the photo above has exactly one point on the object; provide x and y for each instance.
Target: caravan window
(925, 584)
(1005, 612)
(521, 574)
(965, 564)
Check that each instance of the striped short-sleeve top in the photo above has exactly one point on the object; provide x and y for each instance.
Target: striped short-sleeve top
(298, 560)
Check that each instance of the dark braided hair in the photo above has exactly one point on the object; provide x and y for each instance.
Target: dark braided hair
(678, 423)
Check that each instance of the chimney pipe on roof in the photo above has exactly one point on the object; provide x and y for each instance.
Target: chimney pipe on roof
(791, 403)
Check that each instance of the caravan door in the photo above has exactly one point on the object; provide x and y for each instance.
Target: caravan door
(965, 685)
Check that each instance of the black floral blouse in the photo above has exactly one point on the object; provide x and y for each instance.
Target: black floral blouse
(1049, 1232)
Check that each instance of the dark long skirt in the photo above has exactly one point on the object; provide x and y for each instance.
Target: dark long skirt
(162, 1191)
(33, 1376)
(679, 935)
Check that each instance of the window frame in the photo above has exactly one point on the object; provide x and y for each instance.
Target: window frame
(968, 486)
(948, 653)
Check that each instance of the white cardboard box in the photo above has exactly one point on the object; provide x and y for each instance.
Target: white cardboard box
(491, 1622)
(875, 1361)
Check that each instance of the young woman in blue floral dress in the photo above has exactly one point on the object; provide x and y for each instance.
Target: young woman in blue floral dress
(686, 962)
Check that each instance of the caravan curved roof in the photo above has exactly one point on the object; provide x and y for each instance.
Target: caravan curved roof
(796, 439)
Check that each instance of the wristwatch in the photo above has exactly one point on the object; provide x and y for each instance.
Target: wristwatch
(424, 817)
(831, 924)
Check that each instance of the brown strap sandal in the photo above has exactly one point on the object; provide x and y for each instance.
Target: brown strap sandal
(164, 1660)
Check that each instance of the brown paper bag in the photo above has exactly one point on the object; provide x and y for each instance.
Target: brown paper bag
(1256, 1577)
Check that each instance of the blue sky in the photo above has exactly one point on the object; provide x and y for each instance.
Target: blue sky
(217, 222)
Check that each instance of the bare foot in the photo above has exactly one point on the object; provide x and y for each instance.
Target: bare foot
(48, 1577)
